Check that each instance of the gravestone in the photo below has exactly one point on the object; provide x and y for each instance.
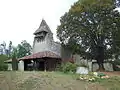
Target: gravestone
(82, 70)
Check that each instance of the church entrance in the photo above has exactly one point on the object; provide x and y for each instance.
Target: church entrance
(41, 64)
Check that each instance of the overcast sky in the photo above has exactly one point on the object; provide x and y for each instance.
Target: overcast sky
(20, 18)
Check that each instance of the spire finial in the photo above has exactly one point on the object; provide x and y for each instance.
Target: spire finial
(43, 18)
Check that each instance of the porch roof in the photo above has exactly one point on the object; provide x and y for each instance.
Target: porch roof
(44, 54)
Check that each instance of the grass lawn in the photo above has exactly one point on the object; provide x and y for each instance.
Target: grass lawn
(52, 81)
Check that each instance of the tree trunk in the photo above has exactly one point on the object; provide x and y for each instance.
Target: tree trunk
(100, 59)
(14, 64)
(101, 67)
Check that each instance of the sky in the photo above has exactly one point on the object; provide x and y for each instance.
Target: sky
(20, 18)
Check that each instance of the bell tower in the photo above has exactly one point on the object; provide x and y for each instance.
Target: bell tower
(43, 38)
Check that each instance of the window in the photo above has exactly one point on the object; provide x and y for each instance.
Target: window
(40, 36)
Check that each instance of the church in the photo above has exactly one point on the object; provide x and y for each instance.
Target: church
(46, 54)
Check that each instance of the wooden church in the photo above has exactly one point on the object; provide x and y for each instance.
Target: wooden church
(46, 54)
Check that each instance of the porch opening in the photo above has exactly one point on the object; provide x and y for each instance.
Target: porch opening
(41, 66)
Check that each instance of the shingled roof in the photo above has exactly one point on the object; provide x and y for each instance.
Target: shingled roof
(44, 54)
(43, 27)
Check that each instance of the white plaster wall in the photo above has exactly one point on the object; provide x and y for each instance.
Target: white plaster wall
(47, 45)
(21, 65)
(40, 46)
(56, 48)
(9, 66)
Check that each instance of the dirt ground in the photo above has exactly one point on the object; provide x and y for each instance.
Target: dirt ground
(115, 73)
(43, 81)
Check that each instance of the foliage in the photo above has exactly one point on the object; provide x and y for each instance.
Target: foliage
(23, 49)
(92, 28)
(117, 3)
(91, 77)
(68, 67)
(3, 57)
(116, 63)
(3, 66)
(4, 49)
(101, 74)
(14, 53)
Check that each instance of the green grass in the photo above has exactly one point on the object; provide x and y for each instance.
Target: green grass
(51, 81)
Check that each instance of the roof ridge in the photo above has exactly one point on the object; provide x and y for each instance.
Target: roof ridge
(42, 54)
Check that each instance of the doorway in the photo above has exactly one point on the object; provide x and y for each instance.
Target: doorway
(42, 65)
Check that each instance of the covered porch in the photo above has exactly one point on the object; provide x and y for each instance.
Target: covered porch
(42, 61)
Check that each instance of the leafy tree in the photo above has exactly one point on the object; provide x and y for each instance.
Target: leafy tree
(3, 57)
(1, 50)
(117, 3)
(4, 50)
(23, 49)
(92, 25)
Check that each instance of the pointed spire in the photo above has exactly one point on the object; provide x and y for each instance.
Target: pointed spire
(43, 27)
(43, 23)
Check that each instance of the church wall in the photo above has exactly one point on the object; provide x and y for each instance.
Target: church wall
(47, 45)
(41, 46)
(56, 48)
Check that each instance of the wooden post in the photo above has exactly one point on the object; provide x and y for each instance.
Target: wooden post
(34, 65)
(45, 66)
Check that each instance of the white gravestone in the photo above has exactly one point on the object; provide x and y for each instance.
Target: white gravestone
(82, 70)
(21, 65)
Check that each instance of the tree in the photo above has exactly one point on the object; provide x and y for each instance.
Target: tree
(3, 45)
(117, 3)
(23, 49)
(4, 50)
(93, 25)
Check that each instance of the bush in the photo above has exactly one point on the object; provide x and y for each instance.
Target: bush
(3, 57)
(115, 63)
(68, 67)
(3, 67)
